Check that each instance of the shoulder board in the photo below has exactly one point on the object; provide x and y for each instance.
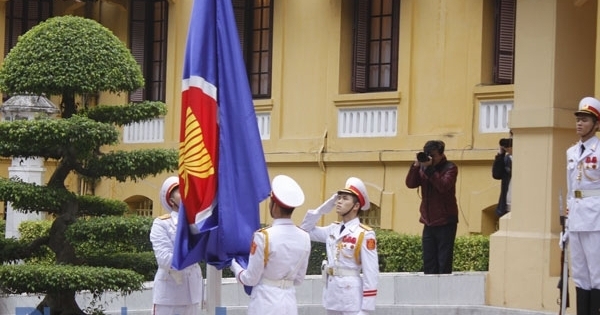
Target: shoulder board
(366, 227)
(165, 216)
(263, 229)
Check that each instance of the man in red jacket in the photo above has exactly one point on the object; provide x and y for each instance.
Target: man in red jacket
(439, 211)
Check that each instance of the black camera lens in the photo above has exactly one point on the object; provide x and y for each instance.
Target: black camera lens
(422, 157)
(506, 142)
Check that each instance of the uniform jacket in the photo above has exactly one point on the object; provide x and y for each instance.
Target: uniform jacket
(438, 192)
(347, 293)
(502, 170)
(172, 287)
(285, 258)
(583, 173)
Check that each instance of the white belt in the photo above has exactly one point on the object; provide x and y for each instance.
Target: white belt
(586, 193)
(282, 284)
(342, 272)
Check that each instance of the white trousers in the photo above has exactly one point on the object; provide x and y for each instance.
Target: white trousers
(193, 309)
(331, 312)
(585, 259)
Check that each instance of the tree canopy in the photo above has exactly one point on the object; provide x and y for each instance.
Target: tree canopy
(73, 58)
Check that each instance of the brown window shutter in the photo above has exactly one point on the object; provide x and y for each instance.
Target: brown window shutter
(137, 35)
(505, 42)
(361, 46)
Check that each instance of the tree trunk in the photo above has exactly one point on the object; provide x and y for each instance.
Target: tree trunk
(60, 303)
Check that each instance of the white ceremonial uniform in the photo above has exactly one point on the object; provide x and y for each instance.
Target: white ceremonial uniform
(274, 277)
(345, 289)
(583, 202)
(176, 292)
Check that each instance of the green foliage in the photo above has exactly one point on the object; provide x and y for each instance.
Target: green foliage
(402, 253)
(11, 249)
(108, 235)
(122, 115)
(472, 253)
(55, 138)
(33, 230)
(31, 278)
(143, 263)
(97, 206)
(398, 252)
(29, 197)
(317, 255)
(69, 54)
(133, 165)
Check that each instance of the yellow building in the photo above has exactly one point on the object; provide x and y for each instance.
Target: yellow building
(344, 89)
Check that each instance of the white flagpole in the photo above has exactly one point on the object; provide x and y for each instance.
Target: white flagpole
(213, 288)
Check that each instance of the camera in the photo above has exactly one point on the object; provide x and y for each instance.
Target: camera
(506, 142)
(422, 157)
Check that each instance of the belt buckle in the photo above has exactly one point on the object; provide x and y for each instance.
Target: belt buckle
(330, 271)
(578, 194)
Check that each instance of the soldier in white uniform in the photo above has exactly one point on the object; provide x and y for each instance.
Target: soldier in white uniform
(278, 255)
(351, 270)
(176, 292)
(583, 203)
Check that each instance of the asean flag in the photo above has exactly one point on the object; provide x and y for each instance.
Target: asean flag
(222, 170)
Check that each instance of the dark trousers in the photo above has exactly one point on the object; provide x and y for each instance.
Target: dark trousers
(438, 248)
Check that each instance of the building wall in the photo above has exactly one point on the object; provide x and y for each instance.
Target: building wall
(445, 69)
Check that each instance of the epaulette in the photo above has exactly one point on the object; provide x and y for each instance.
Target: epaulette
(366, 227)
(165, 216)
(263, 228)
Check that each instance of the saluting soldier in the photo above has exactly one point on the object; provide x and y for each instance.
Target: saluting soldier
(176, 292)
(278, 255)
(583, 203)
(351, 270)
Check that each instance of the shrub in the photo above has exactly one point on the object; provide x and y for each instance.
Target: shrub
(402, 253)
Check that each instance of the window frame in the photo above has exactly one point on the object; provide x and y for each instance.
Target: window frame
(364, 21)
(27, 21)
(504, 49)
(246, 13)
(148, 37)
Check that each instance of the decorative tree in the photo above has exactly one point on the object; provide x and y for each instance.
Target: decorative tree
(74, 58)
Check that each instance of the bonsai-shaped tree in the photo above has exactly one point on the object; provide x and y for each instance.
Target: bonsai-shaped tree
(74, 58)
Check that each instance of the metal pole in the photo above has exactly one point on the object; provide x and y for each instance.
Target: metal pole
(213, 289)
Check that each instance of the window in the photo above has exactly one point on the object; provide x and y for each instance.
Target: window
(255, 28)
(21, 16)
(372, 217)
(148, 42)
(504, 60)
(375, 60)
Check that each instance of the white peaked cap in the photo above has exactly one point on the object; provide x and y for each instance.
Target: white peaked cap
(165, 191)
(590, 106)
(286, 192)
(356, 187)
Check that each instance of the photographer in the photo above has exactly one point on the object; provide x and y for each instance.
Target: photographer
(502, 170)
(436, 176)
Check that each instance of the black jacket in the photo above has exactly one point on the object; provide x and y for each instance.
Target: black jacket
(502, 170)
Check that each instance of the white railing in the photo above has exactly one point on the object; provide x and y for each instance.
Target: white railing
(264, 125)
(493, 116)
(368, 122)
(149, 131)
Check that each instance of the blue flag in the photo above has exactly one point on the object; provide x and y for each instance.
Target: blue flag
(222, 170)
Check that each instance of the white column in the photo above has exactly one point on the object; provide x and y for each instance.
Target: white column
(31, 171)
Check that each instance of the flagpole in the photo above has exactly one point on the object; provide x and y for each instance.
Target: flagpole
(213, 287)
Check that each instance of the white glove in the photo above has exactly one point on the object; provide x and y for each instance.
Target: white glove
(235, 268)
(327, 205)
(562, 239)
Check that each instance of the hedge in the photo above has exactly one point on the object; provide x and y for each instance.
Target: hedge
(397, 252)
